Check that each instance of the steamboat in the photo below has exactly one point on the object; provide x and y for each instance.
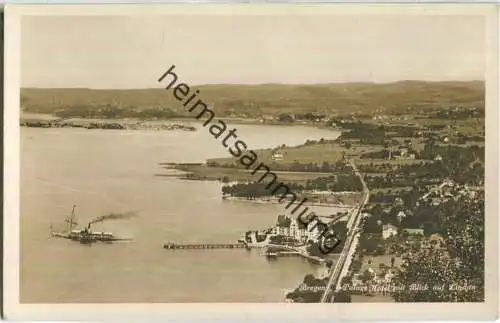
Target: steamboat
(84, 235)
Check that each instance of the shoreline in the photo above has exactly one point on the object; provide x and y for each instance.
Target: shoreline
(294, 263)
(202, 172)
(276, 201)
(297, 251)
(36, 117)
(104, 124)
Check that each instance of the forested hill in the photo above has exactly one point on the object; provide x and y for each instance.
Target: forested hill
(265, 99)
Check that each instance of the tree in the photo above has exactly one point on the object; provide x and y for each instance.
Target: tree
(433, 270)
(325, 167)
(314, 250)
(285, 117)
(370, 243)
(462, 222)
(367, 276)
(356, 265)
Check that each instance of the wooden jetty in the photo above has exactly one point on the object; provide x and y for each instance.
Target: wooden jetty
(204, 246)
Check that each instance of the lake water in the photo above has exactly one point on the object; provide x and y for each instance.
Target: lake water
(103, 171)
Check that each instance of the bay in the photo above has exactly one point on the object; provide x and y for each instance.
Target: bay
(103, 171)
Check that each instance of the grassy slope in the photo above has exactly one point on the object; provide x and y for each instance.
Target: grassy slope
(273, 98)
(240, 174)
(317, 153)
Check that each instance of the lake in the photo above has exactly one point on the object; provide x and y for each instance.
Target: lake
(103, 171)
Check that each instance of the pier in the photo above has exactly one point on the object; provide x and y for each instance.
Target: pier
(281, 253)
(204, 246)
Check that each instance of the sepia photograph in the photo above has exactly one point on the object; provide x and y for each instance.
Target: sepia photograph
(253, 154)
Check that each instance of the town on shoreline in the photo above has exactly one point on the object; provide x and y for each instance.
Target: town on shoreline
(48, 121)
(425, 178)
(408, 179)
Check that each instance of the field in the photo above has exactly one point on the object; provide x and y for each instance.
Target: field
(305, 154)
(234, 174)
(368, 161)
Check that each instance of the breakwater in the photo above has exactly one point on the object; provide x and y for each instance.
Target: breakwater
(204, 246)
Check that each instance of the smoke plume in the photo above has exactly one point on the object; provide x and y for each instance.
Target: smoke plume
(113, 216)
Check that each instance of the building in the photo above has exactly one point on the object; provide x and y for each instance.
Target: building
(414, 231)
(365, 215)
(435, 201)
(401, 215)
(277, 156)
(282, 225)
(298, 230)
(313, 229)
(434, 241)
(389, 275)
(266, 118)
(398, 202)
(293, 228)
(389, 230)
(356, 280)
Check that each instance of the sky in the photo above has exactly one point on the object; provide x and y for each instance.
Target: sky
(134, 51)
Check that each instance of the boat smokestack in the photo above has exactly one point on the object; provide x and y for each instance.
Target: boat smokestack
(71, 219)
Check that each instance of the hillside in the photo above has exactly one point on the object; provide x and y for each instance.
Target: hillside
(271, 99)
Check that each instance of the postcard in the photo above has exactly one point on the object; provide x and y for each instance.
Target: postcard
(254, 161)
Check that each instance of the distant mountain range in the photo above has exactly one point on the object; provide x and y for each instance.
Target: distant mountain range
(265, 99)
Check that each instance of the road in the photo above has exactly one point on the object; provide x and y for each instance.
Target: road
(354, 227)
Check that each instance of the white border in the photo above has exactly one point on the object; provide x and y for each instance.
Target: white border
(229, 312)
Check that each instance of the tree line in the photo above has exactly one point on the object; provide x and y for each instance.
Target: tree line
(324, 167)
(114, 112)
(338, 183)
